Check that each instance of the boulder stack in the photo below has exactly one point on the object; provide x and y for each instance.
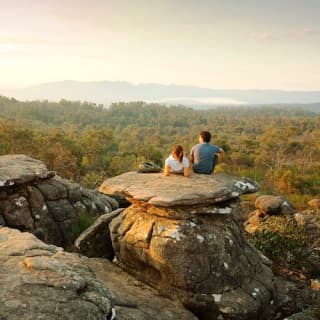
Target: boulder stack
(179, 235)
(36, 200)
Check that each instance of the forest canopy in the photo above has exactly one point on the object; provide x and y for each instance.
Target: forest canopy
(85, 142)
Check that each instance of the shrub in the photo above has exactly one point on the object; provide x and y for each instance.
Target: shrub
(84, 221)
(92, 180)
(281, 237)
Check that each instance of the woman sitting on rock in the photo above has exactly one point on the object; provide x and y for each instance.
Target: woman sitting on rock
(177, 162)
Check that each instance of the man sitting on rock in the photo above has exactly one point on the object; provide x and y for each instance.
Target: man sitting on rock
(204, 156)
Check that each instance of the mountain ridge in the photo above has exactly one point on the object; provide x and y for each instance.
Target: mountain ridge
(106, 92)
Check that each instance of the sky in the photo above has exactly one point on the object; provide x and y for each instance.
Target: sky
(219, 44)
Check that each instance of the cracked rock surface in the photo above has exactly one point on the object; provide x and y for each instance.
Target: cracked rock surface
(134, 300)
(156, 189)
(40, 281)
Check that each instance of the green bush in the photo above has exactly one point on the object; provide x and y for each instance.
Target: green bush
(281, 237)
(84, 221)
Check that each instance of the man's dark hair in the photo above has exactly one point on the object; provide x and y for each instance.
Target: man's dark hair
(206, 136)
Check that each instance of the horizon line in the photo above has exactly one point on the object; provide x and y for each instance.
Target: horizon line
(153, 83)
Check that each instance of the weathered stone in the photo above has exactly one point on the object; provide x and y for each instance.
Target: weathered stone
(157, 189)
(315, 284)
(65, 219)
(90, 206)
(274, 205)
(103, 203)
(73, 189)
(308, 314)
(52, 189)
(79, 206)
(101, 206)
(39, 281)
(45, 205)
(133, 299)
(37, 203)
(61, 210)
(314, 203)
(179, 235)
(203, 261)
(74, 194)
(16, 212)
(20, 169)
(46, 228)
(108, 200)
(294, 296)
(254, 220)
(96, 241)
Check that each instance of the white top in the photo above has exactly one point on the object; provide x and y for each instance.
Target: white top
(175, 165)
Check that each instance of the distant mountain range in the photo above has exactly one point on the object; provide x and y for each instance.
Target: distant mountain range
(106, 92)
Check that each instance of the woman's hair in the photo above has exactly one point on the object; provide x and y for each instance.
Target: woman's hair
(178, 151)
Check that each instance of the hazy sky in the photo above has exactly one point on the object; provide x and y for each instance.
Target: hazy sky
(272, 44)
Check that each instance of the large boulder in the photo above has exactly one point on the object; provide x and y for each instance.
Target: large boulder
(36, 200)
(295, 297)
(133, 299)
(179, 235)
(269, 205)
(40, 281)
(308, 314)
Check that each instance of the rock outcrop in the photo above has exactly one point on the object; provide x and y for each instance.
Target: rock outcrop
(269, 205)
(134, 300)
(294, 296)
(40, 281)
(34, 199)
(179, 235)
(265, 206)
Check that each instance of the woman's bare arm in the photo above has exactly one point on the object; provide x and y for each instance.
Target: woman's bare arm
(166, 171)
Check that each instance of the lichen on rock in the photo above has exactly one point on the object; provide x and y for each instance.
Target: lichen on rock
(40, 281)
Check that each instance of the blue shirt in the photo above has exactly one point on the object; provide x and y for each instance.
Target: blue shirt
(204, 157)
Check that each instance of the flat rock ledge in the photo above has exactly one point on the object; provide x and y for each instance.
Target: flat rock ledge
(19, 169)
(174, 190)
(40, 281)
